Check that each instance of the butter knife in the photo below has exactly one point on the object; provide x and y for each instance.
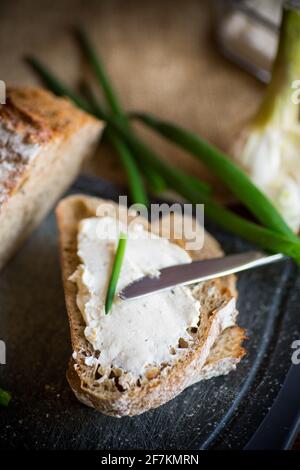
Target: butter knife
(196, 271)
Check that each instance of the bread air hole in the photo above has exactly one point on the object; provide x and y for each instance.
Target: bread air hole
(192, 331)
(118, 385)
(98, 374)
(182, 343)
(152, 373)
(97, 354)
(115, 375)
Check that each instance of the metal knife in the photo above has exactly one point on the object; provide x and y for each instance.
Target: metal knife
(196, 271)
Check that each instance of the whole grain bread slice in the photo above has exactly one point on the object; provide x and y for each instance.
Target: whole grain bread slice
(209, 355)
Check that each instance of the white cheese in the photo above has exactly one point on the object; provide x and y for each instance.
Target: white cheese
(136, 333)
(90, 361)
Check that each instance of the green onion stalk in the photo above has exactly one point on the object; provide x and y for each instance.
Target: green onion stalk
(265, 237)
(268, 148)
(154, 179)
(220, 164)
(92, 106)
(181, 182)
(117, 126)
(136, 185)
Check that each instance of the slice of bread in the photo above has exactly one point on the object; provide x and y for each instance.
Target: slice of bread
(216, 346)
(225, 354)
(43, 142)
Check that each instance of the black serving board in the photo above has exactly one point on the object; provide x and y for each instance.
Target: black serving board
(222, 413)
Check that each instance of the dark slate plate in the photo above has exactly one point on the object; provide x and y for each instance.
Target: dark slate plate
(221, 413)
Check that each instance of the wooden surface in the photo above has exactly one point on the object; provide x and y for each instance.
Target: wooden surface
(161, 58)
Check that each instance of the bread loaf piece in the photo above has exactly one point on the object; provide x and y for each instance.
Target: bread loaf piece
(216, 344)
(43, 142)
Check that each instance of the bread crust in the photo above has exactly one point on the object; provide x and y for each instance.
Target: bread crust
(43, 143)
(108, 398)
(36, 117)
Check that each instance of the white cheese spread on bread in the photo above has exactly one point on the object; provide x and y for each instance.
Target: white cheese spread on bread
(136, 333)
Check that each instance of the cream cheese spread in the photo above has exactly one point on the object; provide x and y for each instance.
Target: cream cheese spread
(136, 333)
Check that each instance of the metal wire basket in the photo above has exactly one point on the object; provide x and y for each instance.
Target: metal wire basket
(247, 33)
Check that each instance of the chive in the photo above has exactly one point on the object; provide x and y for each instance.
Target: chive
(60, 89)
(5, 397)
(181, 183)
(156, 182)
(100, 73)
(116, 269)
(269, 240)
(177, 179)
(234, 178)
(136, 186)
(150, 159)
(152, 173)
(154, 178)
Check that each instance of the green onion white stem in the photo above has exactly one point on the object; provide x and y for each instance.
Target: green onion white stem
(268, 147)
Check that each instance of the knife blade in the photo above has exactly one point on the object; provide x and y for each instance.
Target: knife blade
(197, 271)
